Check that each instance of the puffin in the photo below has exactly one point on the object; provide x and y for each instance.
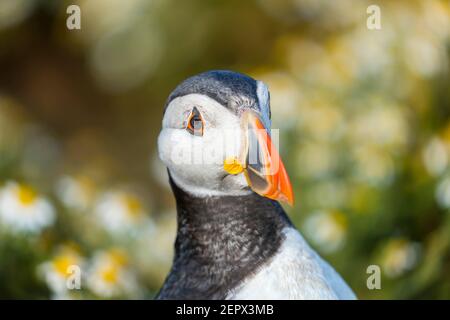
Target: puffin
(234, 240)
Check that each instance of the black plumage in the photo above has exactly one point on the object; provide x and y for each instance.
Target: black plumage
(221, 240)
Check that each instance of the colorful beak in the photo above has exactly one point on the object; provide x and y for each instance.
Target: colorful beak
(263, 168)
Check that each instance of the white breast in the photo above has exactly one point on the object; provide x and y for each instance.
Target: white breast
(295, 272)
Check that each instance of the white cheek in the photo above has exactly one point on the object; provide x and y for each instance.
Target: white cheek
(181, 152)
(196, 162)
(219, 144)
(177, 147)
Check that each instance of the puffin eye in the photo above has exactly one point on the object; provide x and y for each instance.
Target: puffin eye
(195, 123)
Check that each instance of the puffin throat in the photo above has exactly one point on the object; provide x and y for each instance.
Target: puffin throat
(221, 241)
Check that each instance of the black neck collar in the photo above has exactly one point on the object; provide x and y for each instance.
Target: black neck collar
(220, 241)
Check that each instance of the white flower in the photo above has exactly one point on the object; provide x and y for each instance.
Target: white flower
(328, 194)
(108, 275)
(399, 256)
(75, 192)
(373, 165)
(435, 156)
(442, 193)
(424, 55)
(327, 229)
(320, 120)
(315, 160)
(157, 261)
(119, 211)
(380, 124)
(23, 210)
(57, 271)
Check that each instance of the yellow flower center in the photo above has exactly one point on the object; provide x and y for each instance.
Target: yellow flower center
(133, 204)
(87, 187)
(27, 196)
(340, 220)
(109, 274)
(117, 257)
(62, 264)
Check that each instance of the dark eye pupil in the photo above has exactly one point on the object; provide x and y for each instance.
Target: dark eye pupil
(195, 125)
(196, 122)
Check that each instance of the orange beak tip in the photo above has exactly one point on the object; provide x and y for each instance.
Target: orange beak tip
(288, 196)
(290, 200)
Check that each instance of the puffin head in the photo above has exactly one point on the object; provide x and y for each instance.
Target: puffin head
(216, 139)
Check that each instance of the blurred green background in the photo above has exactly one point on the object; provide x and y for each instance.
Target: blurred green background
(363, 114)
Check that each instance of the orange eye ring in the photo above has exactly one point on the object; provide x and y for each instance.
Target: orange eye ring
(195, 123)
